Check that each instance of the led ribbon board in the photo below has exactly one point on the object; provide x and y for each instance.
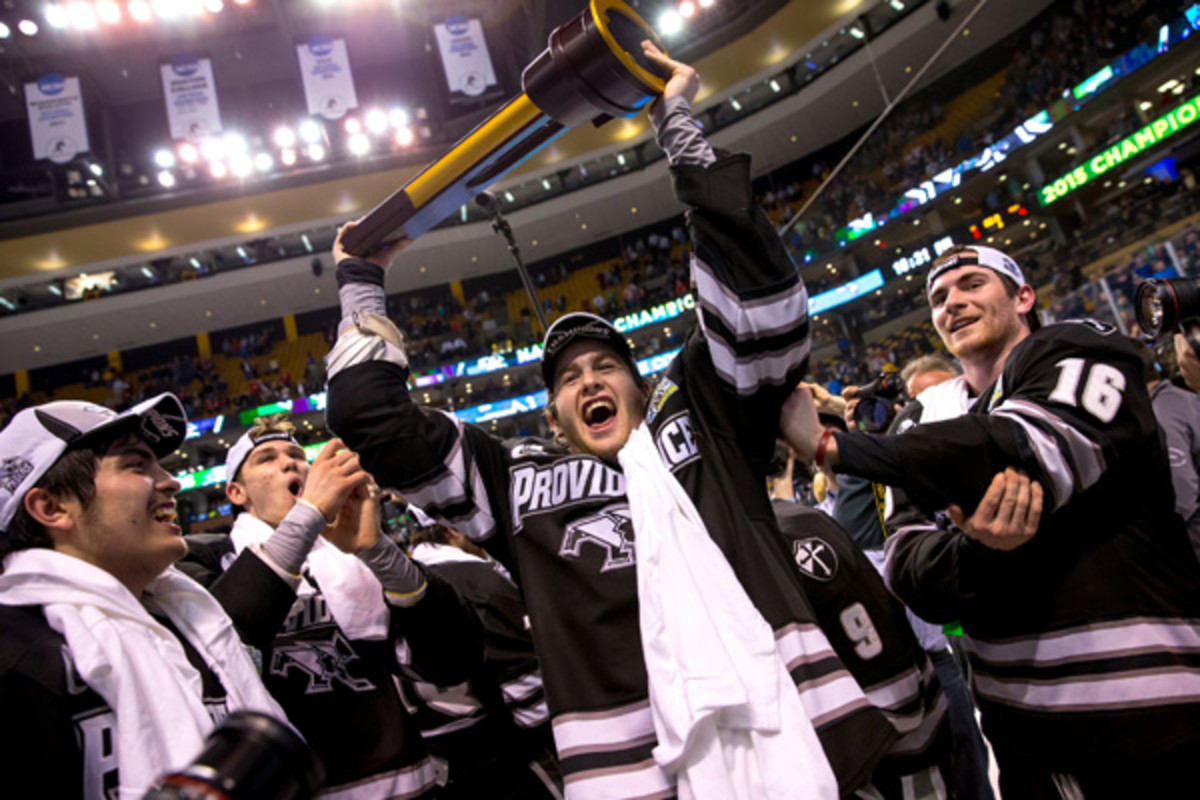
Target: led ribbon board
(1131, 146)
(592, 71)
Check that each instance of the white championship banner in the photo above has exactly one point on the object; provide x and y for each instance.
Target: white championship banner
(465, 56)
(56, 122)
(328, 81)
(191, 97)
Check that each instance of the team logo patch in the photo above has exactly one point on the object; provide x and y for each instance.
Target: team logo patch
(816, 559)
(324, 662)
(611, 530)
(13, 471)
(662, 393)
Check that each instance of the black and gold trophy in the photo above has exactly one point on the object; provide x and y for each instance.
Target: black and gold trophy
(593, 70)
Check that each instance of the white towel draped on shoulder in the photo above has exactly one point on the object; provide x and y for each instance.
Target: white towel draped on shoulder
(726, 712)
(136, 664)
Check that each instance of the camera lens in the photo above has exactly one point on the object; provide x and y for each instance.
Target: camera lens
(249, 756)
(873, 414)
(1149, 306)
(1160, 305)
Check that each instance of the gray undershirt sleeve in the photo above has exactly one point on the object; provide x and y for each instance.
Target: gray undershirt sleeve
(678, 133)
(403, 582)
(293, 539)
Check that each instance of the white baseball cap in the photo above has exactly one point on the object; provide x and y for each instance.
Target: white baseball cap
(976, 256)
(37, 437)
(244, 445)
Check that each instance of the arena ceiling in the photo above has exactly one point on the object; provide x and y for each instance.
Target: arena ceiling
(821, 113)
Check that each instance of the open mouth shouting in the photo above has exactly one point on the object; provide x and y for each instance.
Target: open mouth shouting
(295, 485)
(599, 414)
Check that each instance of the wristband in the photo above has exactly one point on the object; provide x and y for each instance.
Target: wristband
(822, 444)
(317, 509)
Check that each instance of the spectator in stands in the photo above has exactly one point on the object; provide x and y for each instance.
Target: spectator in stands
(327, 613)
(1067, 404)
(114, 667)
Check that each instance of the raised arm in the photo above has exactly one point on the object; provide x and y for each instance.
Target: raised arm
(453, 471)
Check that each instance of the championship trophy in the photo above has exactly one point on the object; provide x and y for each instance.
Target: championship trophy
(593, 70)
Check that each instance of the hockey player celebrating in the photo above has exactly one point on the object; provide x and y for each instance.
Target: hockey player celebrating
(688, 458)
(326, 621)
(114, 666)
(1083, 631)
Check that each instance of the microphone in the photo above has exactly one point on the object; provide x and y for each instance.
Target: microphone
(488, 202)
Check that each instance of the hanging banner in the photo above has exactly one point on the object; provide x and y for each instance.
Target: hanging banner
(56, 123)
(191, 96)
(465, 56)
(328, 82)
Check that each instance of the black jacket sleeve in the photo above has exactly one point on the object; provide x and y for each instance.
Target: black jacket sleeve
(443, 634)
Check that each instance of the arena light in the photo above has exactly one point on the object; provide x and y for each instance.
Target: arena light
(285, 137)
(188, 153)
(377, 121)
(687, 9)
(108, 11)
(352, 125)
(57, 16)
(235, 144)
(140, 10)
(316, 151)
(218, 169)
(670, 22)
(546, 184)
(5, 31)
(857, 33)
(96, 169)
(310, 131)
(509, 197)
(166, 179)
(28, 27)
(83, 15)
(241, 165)
(287, 157)
(359, 144)
(263, 162)
(405, 136)
(707, 3)
(193, 8)
(164, 158)
(166, 9)
(214, 6)
(398, 117)
(897, 5)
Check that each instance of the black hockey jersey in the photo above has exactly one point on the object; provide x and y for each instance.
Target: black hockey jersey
(340, 693)
(57, 735)
(492, 730)
(561, 519)
(1085, 641)
(870, 632)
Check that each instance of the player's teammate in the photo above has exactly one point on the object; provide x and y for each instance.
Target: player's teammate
(1084, 636)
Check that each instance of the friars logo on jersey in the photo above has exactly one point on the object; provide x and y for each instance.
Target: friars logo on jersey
(323, 661)
(676, 445)
(816, 559)
(566, 482)
(611, 530)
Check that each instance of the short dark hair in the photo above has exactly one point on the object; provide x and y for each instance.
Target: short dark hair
(73, 476)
